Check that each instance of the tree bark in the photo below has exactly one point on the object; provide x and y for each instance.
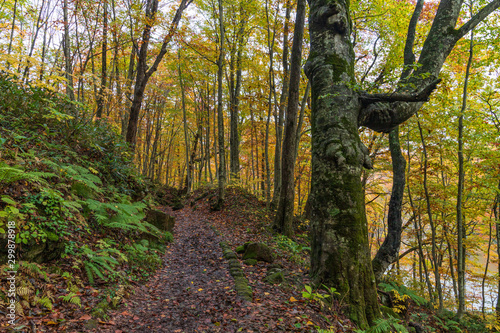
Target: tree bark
(283, 222)
(220, 115)
(388, 252)
(281, 109)
(340, 254)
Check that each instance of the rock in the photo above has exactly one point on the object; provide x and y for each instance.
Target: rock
(91, 324)
(161, 220)
(250, 262)
(36, 250)
(259, 251)
(240, 249)
(275, 278)
(275, 265)
(228, 254)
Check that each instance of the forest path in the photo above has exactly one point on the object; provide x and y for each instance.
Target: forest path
(193, 292)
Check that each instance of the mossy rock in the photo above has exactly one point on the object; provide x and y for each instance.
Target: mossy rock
(273, 266)
(242, 288)
(35, 250)
(250, 262)
(236, 273)
(228, 254)
(91, 324)
(160, 219)
(275, 278)
(233, 262)
(259, 251)
(240, 249)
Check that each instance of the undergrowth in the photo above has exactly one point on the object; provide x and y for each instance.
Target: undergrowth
(68, 184)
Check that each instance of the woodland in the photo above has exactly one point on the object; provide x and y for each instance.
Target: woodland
(249, 166)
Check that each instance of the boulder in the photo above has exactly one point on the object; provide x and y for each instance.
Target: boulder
(161, 220)
(250, 262)
(36, 250)
(275, 278)
(258, 251)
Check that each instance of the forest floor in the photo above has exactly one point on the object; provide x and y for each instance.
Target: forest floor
(194, 291)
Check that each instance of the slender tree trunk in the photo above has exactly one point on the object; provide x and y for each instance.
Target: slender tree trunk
(496, 213)
(235, 87)
(437, 274)
(284, 215)
(67, 54)
(281, 109)
(483, 282)
(220, 115)
(461, 178)
(143, 71)
(100, 99)
(186, 132)
(11, 39)
(389, 251)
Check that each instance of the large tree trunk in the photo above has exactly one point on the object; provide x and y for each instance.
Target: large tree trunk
(340, 254)
(283, 222)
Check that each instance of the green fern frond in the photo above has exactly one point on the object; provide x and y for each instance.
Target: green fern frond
(45, 302)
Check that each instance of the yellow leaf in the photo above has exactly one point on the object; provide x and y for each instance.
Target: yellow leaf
(309, 323)
(200, 289)
(292, 299)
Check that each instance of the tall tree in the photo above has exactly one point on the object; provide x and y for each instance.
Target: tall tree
(389, 250)
(283, 222)
(143, 72)
(100, 98)
(340, 250)
(460, 190)
(220, 116)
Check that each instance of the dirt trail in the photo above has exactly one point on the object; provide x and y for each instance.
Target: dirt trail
(193, 292)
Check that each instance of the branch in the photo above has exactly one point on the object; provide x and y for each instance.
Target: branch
(420, 96)
(476, 19)
(173, 27)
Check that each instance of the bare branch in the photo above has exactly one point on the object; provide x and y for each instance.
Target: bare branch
(476, 19)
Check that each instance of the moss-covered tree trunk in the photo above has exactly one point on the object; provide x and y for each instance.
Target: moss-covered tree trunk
(340, 251)
(340, 254)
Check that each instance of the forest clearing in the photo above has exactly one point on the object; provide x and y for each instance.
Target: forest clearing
(249, 166)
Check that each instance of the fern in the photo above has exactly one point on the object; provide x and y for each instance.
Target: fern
(402, 290)
(10, 175)
(388, 325)
(45, 302)
(72, 298)
(34, 270)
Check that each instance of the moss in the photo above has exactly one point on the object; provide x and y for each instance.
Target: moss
(240, 249)
(339, 66)
(52, 236)
(275, 278)
(250, 262)
(228, 254)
